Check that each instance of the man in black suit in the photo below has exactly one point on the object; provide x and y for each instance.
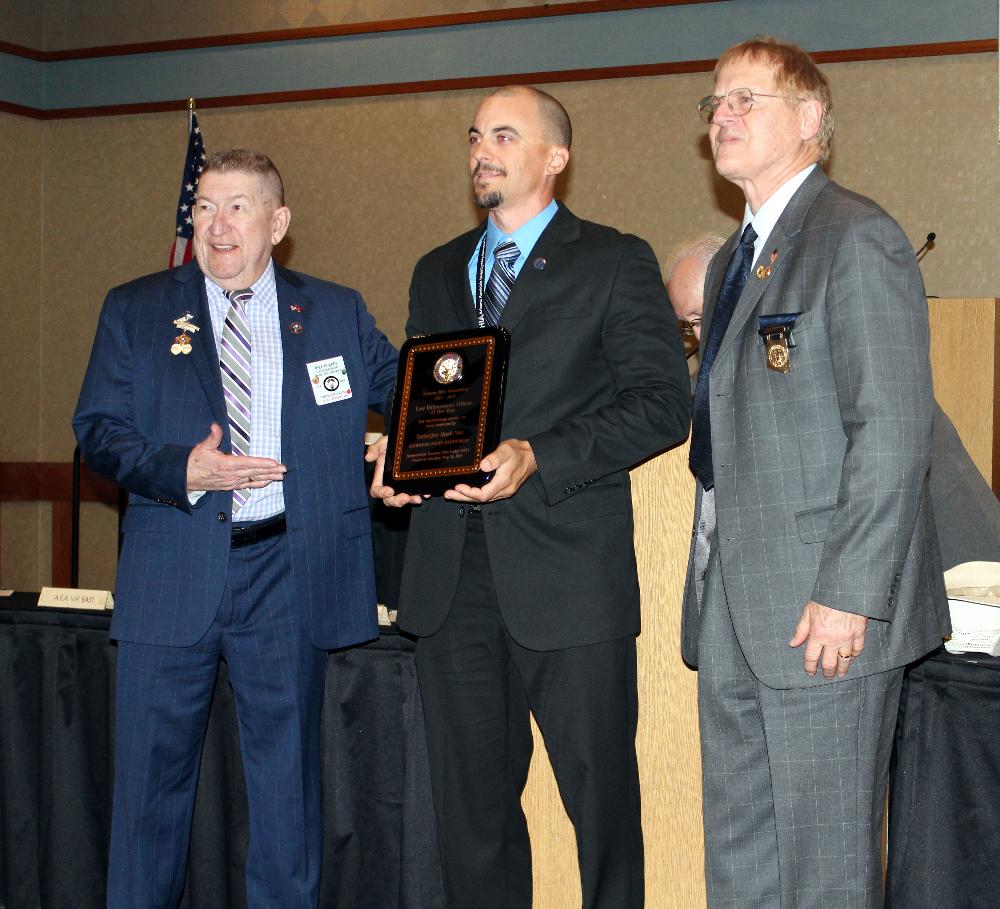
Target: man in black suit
(524, 593)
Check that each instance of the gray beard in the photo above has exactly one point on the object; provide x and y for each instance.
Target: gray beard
(491, 199)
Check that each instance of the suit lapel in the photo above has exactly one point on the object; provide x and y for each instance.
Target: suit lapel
(294, 309)
(456, 279)
(713, 284)
(549, 253)
(188, 295)
(782, 239)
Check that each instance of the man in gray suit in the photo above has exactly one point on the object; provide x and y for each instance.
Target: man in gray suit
(966, 510)
(811, 444)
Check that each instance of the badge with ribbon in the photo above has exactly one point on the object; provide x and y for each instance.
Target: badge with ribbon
(776, 331)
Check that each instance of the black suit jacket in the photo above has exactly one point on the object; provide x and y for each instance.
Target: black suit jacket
(597, 382)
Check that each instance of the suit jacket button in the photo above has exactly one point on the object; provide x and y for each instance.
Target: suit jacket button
(461, 511)
(221, 516)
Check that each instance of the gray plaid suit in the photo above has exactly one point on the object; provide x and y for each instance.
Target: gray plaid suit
(820, 493)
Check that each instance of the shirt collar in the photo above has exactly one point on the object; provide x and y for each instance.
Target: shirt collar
(526, 236)
(768, 214)
(263, 288)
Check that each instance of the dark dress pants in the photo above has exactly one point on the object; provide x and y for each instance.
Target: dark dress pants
(478, 686)
(163, 696)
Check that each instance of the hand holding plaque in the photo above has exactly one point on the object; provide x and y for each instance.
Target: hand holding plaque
(447, 410)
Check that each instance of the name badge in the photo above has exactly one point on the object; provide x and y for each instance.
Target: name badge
(329, 381)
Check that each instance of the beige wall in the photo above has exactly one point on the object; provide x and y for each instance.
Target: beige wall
(374, 183)
(24, 528)
(22, 22)
(61, 24)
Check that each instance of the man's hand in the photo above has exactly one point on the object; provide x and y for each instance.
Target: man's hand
(838, 637)
(210, 469)
(513, 461)
(376, 452)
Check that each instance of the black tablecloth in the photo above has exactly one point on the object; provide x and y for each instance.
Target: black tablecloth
(944, 800)
(56, 747)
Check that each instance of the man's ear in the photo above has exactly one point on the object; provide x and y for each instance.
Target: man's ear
(810, 117)
(279, 224)
(558, 159)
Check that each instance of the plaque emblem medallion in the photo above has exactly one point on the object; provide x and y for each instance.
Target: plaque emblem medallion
(449, 367)
(777, 356)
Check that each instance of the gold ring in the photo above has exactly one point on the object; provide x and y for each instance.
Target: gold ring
(845, 656)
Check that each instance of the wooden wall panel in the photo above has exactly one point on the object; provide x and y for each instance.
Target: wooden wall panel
(965, 351)
(669, 761)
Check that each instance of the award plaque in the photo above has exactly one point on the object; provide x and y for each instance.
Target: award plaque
(447, 410)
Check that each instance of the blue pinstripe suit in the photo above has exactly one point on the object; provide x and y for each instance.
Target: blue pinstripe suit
(273, 608)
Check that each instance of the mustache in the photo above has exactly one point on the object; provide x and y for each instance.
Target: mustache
(495, 171)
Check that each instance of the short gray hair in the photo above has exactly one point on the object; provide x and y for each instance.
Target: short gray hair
(704, 246)
(248, 161)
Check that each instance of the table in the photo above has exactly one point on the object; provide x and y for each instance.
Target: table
(56, 747)
(944, 791)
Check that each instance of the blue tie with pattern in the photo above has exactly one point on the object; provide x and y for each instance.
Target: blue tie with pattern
(737, 272)
(501, 281)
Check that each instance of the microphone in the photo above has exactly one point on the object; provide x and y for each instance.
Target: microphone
(928, 245)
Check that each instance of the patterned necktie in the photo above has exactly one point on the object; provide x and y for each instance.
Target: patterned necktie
(234, 360)
(737, 272)
(501, 281)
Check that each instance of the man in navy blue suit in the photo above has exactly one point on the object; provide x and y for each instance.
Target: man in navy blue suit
(229, 397)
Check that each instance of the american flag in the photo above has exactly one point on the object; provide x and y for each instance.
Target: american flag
(182, 251)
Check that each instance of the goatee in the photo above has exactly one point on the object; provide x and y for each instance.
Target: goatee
(489, 199)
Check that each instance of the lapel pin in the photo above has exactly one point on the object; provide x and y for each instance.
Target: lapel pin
(539, 263)
(296, 328)
(295, 307)
(764, 271)
(182, 343)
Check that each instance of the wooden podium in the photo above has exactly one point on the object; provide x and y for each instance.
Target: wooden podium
(965, 360)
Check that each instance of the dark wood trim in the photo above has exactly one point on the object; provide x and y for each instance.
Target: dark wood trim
(19, 50)
(52, 481)
(62, 544)
(901, 51)
(953, 48)
(449, 20)
(21, 111)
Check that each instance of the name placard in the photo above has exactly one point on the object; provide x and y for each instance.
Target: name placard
(73, 598)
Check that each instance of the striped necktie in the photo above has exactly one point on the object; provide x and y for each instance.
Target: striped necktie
(234, 361)
(501, 281)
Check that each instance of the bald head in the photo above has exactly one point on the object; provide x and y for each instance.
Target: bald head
(686, 268)
(555, 122)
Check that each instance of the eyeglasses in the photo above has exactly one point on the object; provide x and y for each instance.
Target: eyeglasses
(740, 101)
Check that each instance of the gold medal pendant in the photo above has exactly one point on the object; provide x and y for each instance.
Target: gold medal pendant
(181, 345)
(776, 348)
(777, 353)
